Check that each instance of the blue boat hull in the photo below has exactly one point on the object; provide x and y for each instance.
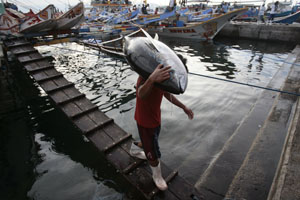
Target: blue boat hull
(288, 19)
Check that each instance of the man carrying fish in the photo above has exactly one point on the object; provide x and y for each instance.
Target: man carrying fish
(148, 118)
(161, 72)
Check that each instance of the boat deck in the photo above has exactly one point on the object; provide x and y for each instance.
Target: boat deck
(107, 136)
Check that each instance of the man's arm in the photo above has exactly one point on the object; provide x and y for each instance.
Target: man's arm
(158, 75)
(176, 102)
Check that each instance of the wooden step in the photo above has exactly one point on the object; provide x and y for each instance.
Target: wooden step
(71, 99)
(61, 87)
(25, 52)
(35, 70)
(114, 144)
(47, 78)
(35, 59)
(168, 180)
(99, 126)
(133, 166)
(19, 44)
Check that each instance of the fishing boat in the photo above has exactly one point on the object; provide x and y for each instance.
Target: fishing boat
(107, 32)
(8, 21)
(199, 16)
(284, 9)
(104, 4)
(16, 14)
(147, 19)
(8, 24)
(42, 21)
(113, 47)
(250, 15)
(124, 17)
(205, 30)
(287, 19)
(112, 28)
(71, 18)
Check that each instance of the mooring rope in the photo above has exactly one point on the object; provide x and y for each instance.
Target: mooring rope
(246, 84)
(211, 77)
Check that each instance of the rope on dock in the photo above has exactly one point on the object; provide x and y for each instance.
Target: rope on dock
(246, 84)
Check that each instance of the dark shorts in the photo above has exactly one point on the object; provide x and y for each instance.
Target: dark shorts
(149, 138)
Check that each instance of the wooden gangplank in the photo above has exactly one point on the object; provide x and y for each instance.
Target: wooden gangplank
(106, 135)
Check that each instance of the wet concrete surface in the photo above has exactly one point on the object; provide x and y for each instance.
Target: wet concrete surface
(255, 177)
(258, 172)
(286, 182)
(246, 166)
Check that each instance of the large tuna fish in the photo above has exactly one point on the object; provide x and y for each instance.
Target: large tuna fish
(145, 53)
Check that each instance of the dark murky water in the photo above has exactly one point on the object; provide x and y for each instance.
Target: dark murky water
(63, 165)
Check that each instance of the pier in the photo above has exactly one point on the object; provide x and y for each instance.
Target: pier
(249, 163)
(260, 31)
(101, 130)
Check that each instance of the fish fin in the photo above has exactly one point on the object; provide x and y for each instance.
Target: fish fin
(146, 34)
(125, 40)
(150, 38)
(156, 36)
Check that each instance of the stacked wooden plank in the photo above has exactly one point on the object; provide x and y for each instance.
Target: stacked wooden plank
(107, 136)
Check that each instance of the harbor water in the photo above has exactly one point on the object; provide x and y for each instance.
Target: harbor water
(45, 157)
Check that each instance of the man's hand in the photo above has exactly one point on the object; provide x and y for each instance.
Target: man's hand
(160, 74)
(189, 112)
(176, 102)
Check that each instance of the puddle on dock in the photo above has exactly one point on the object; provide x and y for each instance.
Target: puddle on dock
(68, 167)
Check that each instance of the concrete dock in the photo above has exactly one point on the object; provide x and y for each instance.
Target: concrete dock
(247, 166)
(262, 31)
(286, 181)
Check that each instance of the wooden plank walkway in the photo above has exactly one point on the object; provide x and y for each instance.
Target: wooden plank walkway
(107, 136)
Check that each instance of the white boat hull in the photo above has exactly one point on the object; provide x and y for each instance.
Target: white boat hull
(43, 21)
(71, 18)
(65, 24)
(206, 30)
(8, 24)
(40, 27)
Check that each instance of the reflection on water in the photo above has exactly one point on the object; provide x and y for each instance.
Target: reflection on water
(44, 157)
(106, 82)
(188, 145)
(69, 167)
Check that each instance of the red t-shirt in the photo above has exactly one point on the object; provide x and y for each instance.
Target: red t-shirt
(147, 111)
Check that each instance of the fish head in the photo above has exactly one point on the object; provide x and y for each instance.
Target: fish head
(145, 54)
(178, 74)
